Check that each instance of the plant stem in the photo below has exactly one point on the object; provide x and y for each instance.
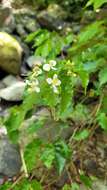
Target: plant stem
(23, 163)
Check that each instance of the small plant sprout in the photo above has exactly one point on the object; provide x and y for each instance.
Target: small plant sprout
(55, 82)
(33, 86)
(49, 66)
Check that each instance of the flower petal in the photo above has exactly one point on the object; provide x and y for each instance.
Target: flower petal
(58, 83)
(28, 82)
(36, 82)
(37, 89)
(54, 68)
(46, 67)
(52, 63)
(55, 89)
(39, 72)
(55, 76)
(49, 80)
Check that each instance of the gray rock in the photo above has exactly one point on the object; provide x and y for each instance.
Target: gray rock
(52, 18)
(7, 22)
(20, 30)
(88, 16)
(57, 11)
(1, 85)
(13, 92)
(76, 27)
(31, 25)
(10, 161)
(9, 80)
(25, 21)
(10, 53)
(32, 61)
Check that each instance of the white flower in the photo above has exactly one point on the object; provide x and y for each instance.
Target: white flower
(28, 82)
(55, 82)
(36, 86)
(49, 66)
(33, 86)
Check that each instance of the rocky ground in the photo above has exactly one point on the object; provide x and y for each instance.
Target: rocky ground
(15, 24)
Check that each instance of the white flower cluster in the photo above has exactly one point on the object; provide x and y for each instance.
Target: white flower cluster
(33, 85)
(50, 65)
(54, 81)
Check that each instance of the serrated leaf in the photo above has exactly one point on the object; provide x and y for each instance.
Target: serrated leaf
(81, 135)
(48, 156)
(32, 36)
(90, 32)
(31, 153)
(35, 125)
(84, 78)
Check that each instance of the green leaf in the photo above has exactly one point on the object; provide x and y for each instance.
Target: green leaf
(24, 184)
(102, 120)
(75, 186)
(15, 119)
(17, 115)
(104, 105)
(90, 32)
(5, 186)
(60, 162)
(62, 153)
(35, 125)
(93, 66)
(86, 180)
(41, 38)
(31, 37)
(48, 156)
(103, 76)
(31, 153)
(66, 187)
(81, 135)
(84, 78)
(69, 38)
(62, 148)
(49, 98)
(80, 113)
(36, 185)
(66, 101)
(96, 3)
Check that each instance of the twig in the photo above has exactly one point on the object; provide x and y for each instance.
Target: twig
(17, 181)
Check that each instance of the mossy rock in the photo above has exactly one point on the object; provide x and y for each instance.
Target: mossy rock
(10, 53)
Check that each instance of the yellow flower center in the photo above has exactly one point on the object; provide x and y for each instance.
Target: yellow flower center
(55, 82)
